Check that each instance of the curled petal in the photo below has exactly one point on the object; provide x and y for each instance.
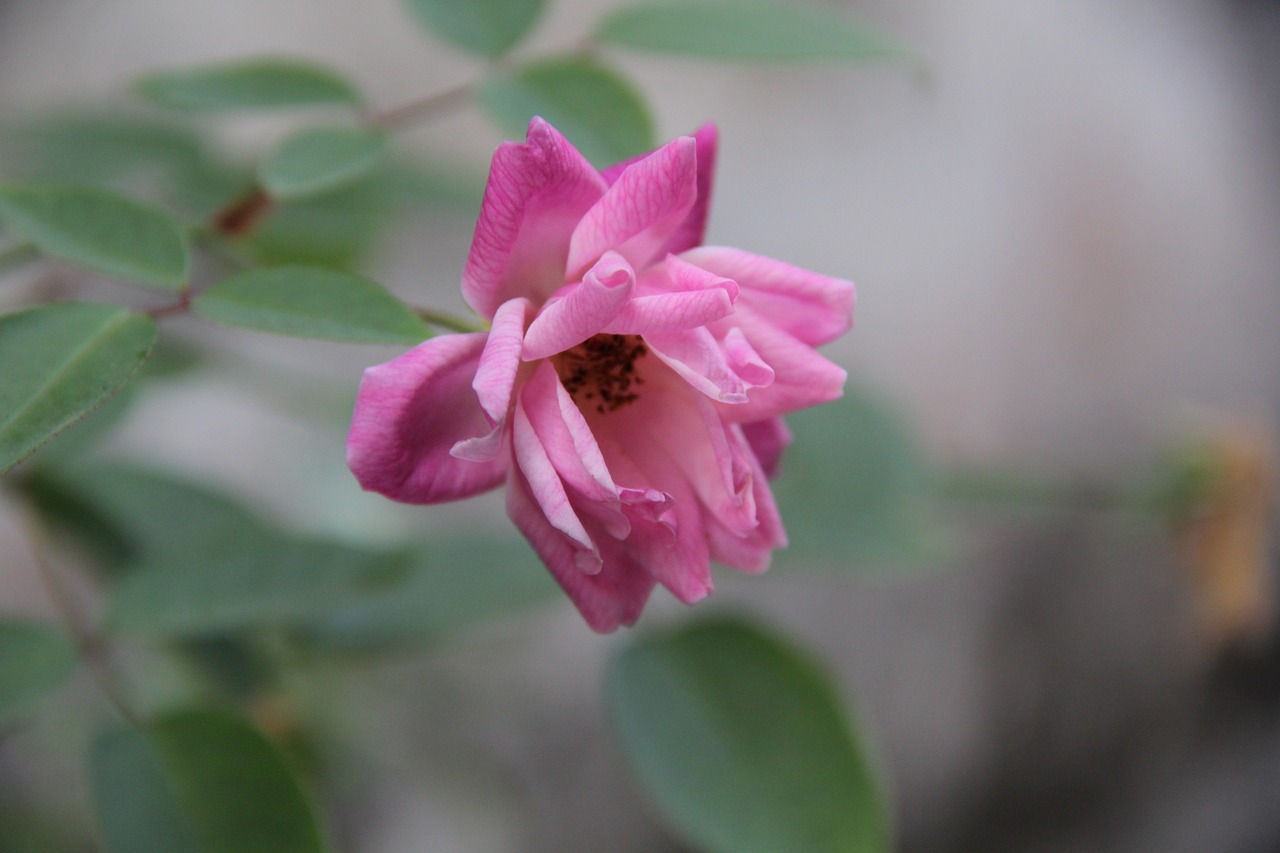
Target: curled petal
(612, 597)
(637, 215)
(768, 439)
(675, 295)
(698, 358)
(812, 308)
(748, 550)
(495, 379)
(536, 195)
(583, 310)
(745, 361)
(409, 412)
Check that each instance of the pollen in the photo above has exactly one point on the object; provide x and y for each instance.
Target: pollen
(601, 371)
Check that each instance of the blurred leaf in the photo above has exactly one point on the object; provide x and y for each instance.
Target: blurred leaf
(594, 107)
(35, 660)
(451, 584)
(742, 29)
(248, 84)
(321, 158)
(234, 577)
(93, 146)
(200, 781)
(32, 830)
(487, 27)
(312, 302)
(330, 230)
(60, 361)
(100, 230)
(137, 809)
(852, 486)
(126, 513)
(743, 744)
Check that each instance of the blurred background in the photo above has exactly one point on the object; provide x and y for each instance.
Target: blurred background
(1062, 221)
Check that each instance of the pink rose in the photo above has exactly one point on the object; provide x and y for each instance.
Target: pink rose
(629, 389)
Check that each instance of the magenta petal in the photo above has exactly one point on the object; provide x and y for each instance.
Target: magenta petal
(585, 309)
(812, 308)
(409, 412)
(637, 215)
(495, 379)
(675, 295)
(536, 195)
(698, 358)
(691, 230)
(768, 439)
(748, 550)
(612, 597)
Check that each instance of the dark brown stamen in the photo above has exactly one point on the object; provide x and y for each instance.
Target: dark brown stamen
(602, 369)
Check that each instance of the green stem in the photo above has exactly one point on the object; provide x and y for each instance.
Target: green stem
(421, 109)
(449, 321)
(17, 255)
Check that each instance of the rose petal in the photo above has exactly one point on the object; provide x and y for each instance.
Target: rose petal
(637, 215)
(536, 196)
(409, 412)
(812, 308)
(675, 295)
(768, 439)
(698, 358)
(583, 310)
(495, 379)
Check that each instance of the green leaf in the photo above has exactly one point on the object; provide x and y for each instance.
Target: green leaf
(248, 85)
(453, 583)
(60, 361)
(487, 27)
(743, 744)
(742, 29)
(594, 107)
(321, 158)
(125, 513)
(200, 781)
(34, 661)
(234, 577)
(100, 230)
(853, 487)
(136, 808)
(312, 302)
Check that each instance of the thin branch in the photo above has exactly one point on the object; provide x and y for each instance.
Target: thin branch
(421, 109)
(449, 321)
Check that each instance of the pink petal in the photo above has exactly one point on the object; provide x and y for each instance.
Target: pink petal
(547, 490)
(749, 550)
(639, 213)
(745, 361)
(613, 596)
(675, 295)
(409, 412)
(694, 226)
(698, 358)
(802, 378)
(768, 439)
(583, 310)
(536, 195)
(495, 379)
(572, 449)
(812, 308)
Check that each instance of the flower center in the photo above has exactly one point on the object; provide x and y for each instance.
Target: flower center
(601, 371)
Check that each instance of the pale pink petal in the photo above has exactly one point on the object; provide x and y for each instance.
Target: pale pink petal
(745, 361)
(675, 295)
(613, 596)
(694, 226)
(802, 378)
(581, 310)
(748, 550)
(409, 412)
(768, 439)
(495, 379)
(639, 213)
(536, 195)
(572, 449)
(548, 492)
(698, 358)
(812, 308)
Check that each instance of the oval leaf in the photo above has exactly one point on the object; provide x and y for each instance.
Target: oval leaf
(742, 29)
(248, 84)
(487, 27)
(100, 230)
(312, 302)
(200, 781)
(588, 102)
(34, 660)
(232, 576)
(60, 361)
(743, 744)
(319, 159)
